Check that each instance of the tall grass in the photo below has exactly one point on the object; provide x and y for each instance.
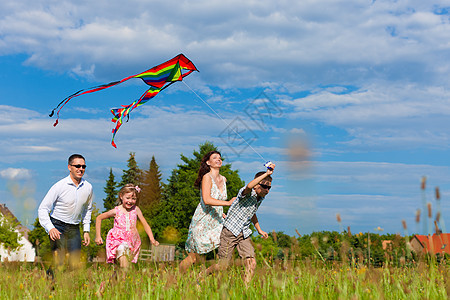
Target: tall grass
(309, 279)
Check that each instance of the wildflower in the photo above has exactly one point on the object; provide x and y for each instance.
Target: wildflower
(404, 224)
(429, 210)
(438, 195)
(423, 182)
(274, 236)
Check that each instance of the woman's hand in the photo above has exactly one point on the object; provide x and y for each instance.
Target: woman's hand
(154, 242)
(231, 201)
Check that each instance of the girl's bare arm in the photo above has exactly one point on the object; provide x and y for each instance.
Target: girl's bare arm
(147, 228)
(98, 224)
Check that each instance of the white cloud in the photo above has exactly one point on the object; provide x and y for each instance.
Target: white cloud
(15, 174)
(240, 44)
(381, 115)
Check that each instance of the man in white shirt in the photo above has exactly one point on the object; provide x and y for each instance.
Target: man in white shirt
(66, 205)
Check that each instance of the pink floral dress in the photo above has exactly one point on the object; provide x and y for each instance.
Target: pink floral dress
(123, 234)
(206, 224)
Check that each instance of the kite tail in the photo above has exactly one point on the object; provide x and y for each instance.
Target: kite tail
(79, 93)
(61, 105)
(124, 111)
(119, 114)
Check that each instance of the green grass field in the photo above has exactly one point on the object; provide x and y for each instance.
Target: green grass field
(283, 280)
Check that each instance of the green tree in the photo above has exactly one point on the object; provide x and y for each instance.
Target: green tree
(111, 193)
(152, 188)
(40, 240)
(133, 174)
(8, 236)
(266, 247)
(93, 250)
(180, 197)
(149, 198)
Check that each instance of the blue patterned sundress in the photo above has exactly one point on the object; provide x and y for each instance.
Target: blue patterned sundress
(206, 224)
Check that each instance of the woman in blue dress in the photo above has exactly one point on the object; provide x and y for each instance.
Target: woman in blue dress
(206, 224)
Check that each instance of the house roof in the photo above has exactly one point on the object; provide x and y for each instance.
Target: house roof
(8, 214)
(437, 243)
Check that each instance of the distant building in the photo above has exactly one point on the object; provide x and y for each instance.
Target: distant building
(26, 252)
(435, 244)
(387, 245)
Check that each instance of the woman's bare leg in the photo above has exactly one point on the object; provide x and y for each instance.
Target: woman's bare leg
(191, 259)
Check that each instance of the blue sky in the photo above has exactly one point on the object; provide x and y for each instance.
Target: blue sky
(348, 98)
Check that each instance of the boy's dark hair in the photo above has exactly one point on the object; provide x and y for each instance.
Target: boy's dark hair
(268, 178)
(74, 156)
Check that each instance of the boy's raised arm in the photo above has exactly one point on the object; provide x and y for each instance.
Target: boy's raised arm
(257, 180)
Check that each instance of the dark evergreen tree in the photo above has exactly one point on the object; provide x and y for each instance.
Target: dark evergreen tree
(111, 193)
(180, 197)
(133, 174)
(151, 187)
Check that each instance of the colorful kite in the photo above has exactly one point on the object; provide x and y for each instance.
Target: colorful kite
(158, 78)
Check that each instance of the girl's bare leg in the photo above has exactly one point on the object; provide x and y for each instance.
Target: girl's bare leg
(123, 262)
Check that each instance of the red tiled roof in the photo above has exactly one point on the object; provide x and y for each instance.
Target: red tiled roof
(435, 243)
(7, 213)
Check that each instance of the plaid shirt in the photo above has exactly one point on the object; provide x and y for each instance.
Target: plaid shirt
(241, 212)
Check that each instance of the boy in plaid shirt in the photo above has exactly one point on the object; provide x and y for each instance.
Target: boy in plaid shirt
(236, 230)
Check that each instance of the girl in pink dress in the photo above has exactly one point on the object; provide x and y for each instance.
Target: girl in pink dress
(123, 241)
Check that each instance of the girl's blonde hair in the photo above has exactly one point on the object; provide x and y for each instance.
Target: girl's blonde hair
(128, 188)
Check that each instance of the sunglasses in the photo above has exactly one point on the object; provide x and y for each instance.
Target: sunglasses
(79, 166)
(267, 187)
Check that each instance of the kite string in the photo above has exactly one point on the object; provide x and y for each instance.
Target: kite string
(228, 125)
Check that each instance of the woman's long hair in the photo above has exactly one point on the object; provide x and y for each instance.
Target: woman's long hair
(204, 168)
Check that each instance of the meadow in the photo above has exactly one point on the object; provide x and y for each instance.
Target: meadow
(280, 279)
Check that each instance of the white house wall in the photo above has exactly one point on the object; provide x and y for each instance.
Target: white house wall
(25, 253)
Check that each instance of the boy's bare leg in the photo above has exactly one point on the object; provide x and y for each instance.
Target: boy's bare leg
(250, 266)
